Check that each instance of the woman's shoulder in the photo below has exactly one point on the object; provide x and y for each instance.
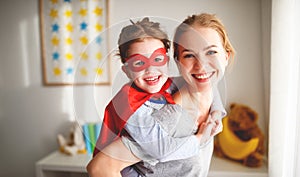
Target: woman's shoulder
(180, 94)
(177, 81)
(177, 98)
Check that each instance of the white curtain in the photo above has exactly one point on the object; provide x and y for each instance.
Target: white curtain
(297, 166)
(284, 154)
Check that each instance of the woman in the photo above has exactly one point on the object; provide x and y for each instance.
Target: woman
(202, 51)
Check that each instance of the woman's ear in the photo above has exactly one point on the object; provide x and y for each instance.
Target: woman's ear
(227, 57)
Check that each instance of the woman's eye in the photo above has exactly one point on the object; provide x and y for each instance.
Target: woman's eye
(211, 52)
(138, 63)
(187, 56)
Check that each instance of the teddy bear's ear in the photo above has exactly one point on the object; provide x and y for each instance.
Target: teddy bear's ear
(232, 105)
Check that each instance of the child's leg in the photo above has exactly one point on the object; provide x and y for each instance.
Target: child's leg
(129, 172)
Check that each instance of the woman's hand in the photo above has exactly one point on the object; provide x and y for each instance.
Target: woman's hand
(103, 165)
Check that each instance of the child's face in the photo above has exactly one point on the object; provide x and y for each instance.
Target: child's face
(147, 64)
(202, 58)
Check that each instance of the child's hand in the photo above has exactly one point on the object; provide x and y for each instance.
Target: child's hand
(210, 128)
(216, 118)
(217, 128)
(204, 131)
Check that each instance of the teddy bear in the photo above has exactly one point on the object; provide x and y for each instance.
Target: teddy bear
(74, 144)
(241, 139)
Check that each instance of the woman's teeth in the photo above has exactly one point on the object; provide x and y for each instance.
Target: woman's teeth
(203, 76)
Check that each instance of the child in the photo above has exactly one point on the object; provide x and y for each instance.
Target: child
(140, 111)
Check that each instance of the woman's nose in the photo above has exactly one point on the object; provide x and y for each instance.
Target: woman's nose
(198, 64)
(201, 62)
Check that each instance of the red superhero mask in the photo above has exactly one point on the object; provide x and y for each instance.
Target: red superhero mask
(138, 62)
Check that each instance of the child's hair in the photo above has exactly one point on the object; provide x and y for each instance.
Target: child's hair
(137, 32)
(207, 21)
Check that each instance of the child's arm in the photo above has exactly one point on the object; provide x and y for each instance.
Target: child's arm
(111, 160)
(156, 136)
(217, 107)
(217, 122)
(215, 117)
(218, 113)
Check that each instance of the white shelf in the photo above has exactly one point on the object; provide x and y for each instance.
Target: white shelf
(226, 168)
(58, 164)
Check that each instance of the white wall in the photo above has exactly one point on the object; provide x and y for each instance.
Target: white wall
(31, 115)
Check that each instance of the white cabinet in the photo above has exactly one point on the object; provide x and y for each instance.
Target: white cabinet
(58, 164)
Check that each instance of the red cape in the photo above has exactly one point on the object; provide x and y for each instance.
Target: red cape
(120, 108)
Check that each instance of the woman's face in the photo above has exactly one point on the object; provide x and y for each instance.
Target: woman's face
(147, 64)
(202, 58)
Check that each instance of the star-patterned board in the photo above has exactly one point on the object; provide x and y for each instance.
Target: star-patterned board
(75, 42)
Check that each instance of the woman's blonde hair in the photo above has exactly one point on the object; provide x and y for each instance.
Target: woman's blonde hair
(207, 21)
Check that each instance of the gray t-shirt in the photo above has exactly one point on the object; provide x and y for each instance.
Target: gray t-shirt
(177, 152)
(162, 135)
(161, 132)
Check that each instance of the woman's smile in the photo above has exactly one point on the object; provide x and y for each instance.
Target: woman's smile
(203, 77)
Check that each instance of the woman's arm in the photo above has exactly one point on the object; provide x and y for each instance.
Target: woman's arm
(111, 160)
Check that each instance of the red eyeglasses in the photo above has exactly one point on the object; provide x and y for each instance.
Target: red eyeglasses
(138, 62)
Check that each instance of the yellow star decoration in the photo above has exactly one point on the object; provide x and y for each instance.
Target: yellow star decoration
(53, 13)
(98, 55)
(84, 56)
(69, 41)
(54, 1)
(98, 27)
(69, 27)
(55, 41)
(56, 71)
(83, 12)
(99, 71)
(84, 40)
(83, 71)
(69, 56)
(98, 11)
(68, 13)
